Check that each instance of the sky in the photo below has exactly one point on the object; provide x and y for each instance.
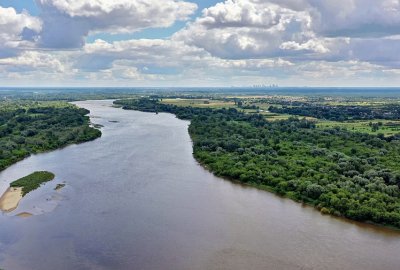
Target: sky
(202, 43)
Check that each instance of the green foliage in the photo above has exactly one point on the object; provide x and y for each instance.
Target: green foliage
(355, 175)
(152, 105)
(341, 113)
(30, 127)
(32, 181)
(59, 186)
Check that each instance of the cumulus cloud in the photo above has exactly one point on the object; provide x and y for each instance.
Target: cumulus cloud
(255, 41)
(382, 51)
(299, 30)
(154, 56)
(356, 18)
(17, 30)
(31, 61)
(248, 29)
(67, 22)
(144, 52)
(310, 45)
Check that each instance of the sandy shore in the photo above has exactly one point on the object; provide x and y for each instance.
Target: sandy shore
(10, 199)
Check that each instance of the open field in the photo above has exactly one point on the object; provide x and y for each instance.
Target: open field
(386, 127)
(373, 103)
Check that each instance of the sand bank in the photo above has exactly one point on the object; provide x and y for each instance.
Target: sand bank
(24, 214)
(10, 199)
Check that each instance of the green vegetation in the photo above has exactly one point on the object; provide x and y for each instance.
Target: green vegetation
(341, 113)
(60, 186)
(200, 103)
(32, 181)
(378, 126)
(28, 127)
(150, 105)
(343, 173)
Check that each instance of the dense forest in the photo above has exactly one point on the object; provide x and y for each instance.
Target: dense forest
(342, 173)
(32, 127)
(341, 113)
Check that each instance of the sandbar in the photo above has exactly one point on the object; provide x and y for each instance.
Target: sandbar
(10, 199)
(24, 214)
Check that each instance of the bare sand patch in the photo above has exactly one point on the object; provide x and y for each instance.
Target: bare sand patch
(24, 215)
(10, 199)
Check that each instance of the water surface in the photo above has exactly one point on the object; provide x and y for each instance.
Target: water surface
(136, 199)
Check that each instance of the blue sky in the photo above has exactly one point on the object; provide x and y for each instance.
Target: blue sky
(199, 43)
(21, 5)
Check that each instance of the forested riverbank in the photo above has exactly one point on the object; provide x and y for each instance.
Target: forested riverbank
(28, 127)
(342, 173)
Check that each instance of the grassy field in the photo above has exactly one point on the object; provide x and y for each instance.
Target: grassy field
(373, 103)
(275, 116)
(387, 127)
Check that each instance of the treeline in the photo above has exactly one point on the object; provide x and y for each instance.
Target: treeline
(152, 105)
(354, 175)
(341, 113)
(33, 128)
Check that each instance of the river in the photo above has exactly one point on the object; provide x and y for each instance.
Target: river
(136, 199)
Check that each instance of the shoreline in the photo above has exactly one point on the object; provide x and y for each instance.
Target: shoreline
(284, 196)
(271, 189)
(10, 199)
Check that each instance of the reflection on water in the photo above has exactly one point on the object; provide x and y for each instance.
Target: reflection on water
(136, 199)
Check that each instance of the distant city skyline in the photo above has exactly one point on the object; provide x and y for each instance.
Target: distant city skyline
(171, 43)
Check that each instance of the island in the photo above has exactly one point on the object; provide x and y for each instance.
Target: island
(19, 188)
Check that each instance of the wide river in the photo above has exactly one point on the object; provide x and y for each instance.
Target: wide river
(136, 199)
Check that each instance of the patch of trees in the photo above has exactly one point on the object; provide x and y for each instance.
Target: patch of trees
(38, 128)
(342, 173)
(341, 113)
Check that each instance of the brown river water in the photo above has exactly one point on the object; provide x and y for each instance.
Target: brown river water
(137, 199)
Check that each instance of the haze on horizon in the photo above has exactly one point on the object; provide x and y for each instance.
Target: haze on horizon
(199, 43)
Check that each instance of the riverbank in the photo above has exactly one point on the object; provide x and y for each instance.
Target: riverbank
(372, 225)
(34, 121)
(281, 157)
(292, 196)
(10, 199)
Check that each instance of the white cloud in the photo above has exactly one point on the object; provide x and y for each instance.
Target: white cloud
(68, 22)
(232, 42)
(157, 53)
(248, 29)
(150, 55)
(16, 30)
(311, 45)
(356, 18)
(299, 30)
(32, 61)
